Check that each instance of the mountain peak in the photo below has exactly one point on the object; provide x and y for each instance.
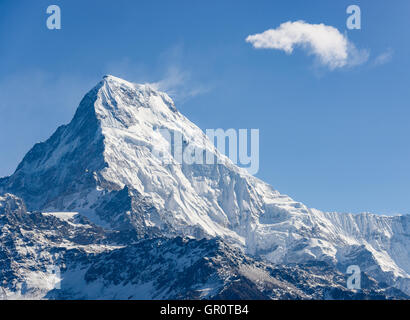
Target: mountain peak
(108, 78)
(106, 145)
(118, 101)
(147, 88)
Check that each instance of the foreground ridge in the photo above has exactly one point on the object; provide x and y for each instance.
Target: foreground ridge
(97, 264)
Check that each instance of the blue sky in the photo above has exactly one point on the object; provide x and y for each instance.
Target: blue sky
(334, 139)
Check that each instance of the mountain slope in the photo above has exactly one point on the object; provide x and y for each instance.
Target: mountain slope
(94, 263)
(105, 165)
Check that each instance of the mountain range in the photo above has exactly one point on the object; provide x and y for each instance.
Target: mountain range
(119, 222)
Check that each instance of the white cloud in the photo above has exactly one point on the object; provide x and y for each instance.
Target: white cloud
(179, 84)
(332, 48)
(384, 57)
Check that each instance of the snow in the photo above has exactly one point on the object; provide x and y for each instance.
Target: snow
(66, 216)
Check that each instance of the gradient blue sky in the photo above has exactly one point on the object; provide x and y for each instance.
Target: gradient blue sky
(335, 140)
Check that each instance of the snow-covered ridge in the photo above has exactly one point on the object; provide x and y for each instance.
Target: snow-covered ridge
(102, 165)
(46, 256)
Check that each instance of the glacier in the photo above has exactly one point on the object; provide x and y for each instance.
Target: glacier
(104, 165)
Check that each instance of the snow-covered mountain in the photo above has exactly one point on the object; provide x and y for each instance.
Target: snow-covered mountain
(104, 165)
(95, 263)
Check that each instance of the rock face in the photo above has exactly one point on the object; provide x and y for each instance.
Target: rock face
(104, 165)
